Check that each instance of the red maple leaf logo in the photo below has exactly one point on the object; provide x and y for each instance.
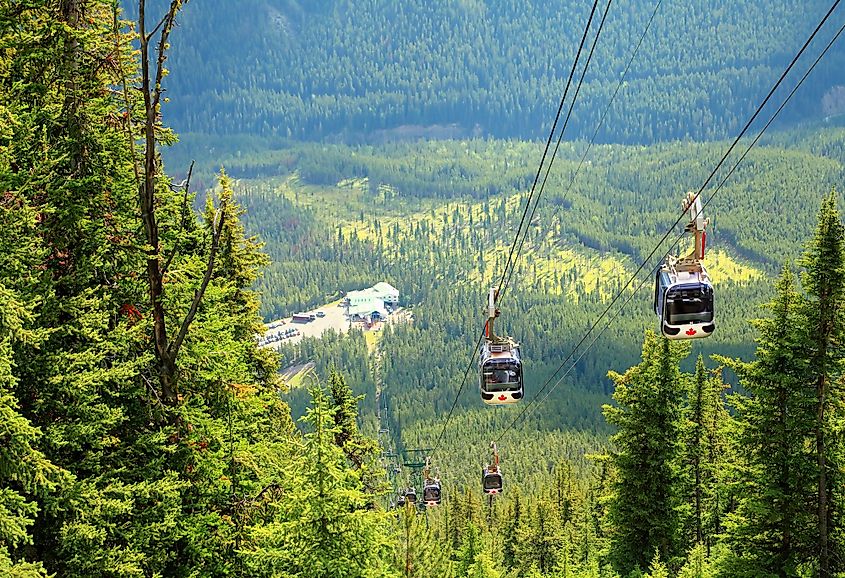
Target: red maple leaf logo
(502, 398)
(691, 331)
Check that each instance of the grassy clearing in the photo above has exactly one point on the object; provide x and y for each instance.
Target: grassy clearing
(571, 270)
(723, 267)
(372, 338)
(299, 379)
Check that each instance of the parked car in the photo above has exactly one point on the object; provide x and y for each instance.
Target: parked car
(320, 314)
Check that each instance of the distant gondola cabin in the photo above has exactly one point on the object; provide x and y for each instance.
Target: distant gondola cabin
(491, 481)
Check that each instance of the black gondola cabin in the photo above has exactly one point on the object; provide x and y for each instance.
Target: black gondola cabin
(683, 300)
(500, 368)
(431, 492)
(492, 481)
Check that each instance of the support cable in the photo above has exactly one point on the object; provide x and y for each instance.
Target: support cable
(666, 235)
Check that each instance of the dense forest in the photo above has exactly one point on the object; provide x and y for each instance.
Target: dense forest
(380, 70)
(144, 432)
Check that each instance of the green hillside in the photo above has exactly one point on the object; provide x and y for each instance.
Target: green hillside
(380, 70)
(436, 220)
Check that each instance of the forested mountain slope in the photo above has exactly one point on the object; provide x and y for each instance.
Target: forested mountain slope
(436, 219)
(383, 70)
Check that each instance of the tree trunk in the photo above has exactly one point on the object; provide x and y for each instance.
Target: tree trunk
(824, 549)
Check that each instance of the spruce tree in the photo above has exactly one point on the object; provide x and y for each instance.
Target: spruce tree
(704, 454)
(471, 548)
(513, 521)
(773, 532)
(644, 505)
(324, 528)
(483, 568)
(25, 473)
(356, 446)
(824, 309)
(156, 487)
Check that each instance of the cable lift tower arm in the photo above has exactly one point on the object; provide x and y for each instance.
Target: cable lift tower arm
(697, 226)
(492, 313)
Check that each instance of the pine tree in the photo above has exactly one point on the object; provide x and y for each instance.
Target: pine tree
(24, 471)
(824, 309)
(772, 533)
(324, 528)
(657, 569)
(356, 446)
(697, 565)
(704, 448)
(646, 492)
(471, 547)
(483, 568)
(513, 520)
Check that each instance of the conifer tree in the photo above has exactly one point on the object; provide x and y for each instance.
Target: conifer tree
(824, 309)
(81, 382)
(324, 528)
(657, 569)
(471, 547)
(704, 453)
(772, 532)
(483, 568)
(513, 521)
(541, 541)
(646, 492)
(24, 471)
(422, 548)
(356, 446)
(88, 380)
(697, 565)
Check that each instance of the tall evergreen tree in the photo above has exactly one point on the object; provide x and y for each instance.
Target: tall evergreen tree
(356, 446)
(772, 532)
(324, 528)
(704, 454)
(25, 473)
(824, 309)
(646, 492)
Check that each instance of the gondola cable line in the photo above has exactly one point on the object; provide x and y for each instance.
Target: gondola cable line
(501, 379)
(694, 198)
(476, 349)
(704, 206)
(607, 107)
(549, 140)
(503, 288)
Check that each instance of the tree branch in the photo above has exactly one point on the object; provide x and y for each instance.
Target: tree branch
(127, 103)
(182, 222)
(168, 21)
(173, 350)
(152, 95)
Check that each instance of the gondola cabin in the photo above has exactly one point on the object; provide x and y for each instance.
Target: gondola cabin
(411, 495)
(500, 367)
(683, 300)
(491, 481)
(431, 492)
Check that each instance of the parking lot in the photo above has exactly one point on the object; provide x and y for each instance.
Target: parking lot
(334, 317)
